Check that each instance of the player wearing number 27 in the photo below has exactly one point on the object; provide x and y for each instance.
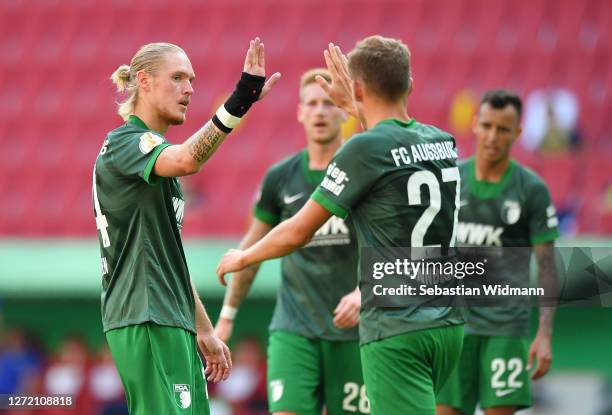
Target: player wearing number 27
(152, 316)
(314, 327)
(387, 179)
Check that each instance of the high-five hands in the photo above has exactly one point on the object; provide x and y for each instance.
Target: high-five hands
(255, 64)
(340, 90)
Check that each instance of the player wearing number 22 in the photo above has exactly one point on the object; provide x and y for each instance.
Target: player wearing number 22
(503, 204)
(387, 179)
(152, 316)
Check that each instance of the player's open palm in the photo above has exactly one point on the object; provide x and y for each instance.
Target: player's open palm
(346, 314)
(217, 355)
(340, 90)
(255, 64)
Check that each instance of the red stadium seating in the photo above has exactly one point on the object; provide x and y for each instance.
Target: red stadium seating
(57, 103)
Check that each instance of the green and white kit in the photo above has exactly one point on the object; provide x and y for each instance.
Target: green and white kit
(147, 301)
(399, 184)
(311, 362)
(515, 212)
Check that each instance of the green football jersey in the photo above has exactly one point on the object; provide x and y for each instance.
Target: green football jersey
(317, 276)
(139, 216)
(400, 185)
(515, 212)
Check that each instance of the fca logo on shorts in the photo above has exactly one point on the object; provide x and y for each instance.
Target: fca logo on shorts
(182, 396)
(276, 388)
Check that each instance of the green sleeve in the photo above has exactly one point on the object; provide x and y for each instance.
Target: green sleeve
(320, 197)
(543, 222)
(134, 154)
(267, 208)
(147, 173)
(349, 177)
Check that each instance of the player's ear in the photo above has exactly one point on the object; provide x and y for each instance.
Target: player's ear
(144, 81)
(300, 108)
(300, 113)
(358, 90)
(410, 87)
(519, 131)
(475, 120)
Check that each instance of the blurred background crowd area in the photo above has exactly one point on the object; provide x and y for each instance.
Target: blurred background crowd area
(69, 357)
(89, 376)
(57, 104)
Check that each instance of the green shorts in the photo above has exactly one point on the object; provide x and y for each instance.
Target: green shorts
(492, 371)
(160, 369)
(403, 372)
(305, 374)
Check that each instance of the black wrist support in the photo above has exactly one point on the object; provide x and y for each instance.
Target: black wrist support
(245, 94)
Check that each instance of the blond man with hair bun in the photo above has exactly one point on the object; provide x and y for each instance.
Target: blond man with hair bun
(152, 316)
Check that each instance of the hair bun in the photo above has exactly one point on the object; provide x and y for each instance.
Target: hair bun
(121, 77)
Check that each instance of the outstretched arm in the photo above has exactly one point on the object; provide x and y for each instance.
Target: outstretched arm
(282, 240)
(240, 282)
(187, 158)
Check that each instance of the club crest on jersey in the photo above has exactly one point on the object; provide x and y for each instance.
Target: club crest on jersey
(276, 389)
(511, 212)
(148, 141)
(182, 395)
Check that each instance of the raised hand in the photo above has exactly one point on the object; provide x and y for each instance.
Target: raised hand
(255, 64)
(340, 90)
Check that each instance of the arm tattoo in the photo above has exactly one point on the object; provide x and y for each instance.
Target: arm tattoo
(548, 280)
(205, 142)
(547, 315)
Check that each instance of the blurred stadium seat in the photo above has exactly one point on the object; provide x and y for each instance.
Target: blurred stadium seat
(58, 103)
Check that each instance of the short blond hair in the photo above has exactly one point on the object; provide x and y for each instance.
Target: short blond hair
(310, 77)
(148, 59)
(383, 65)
